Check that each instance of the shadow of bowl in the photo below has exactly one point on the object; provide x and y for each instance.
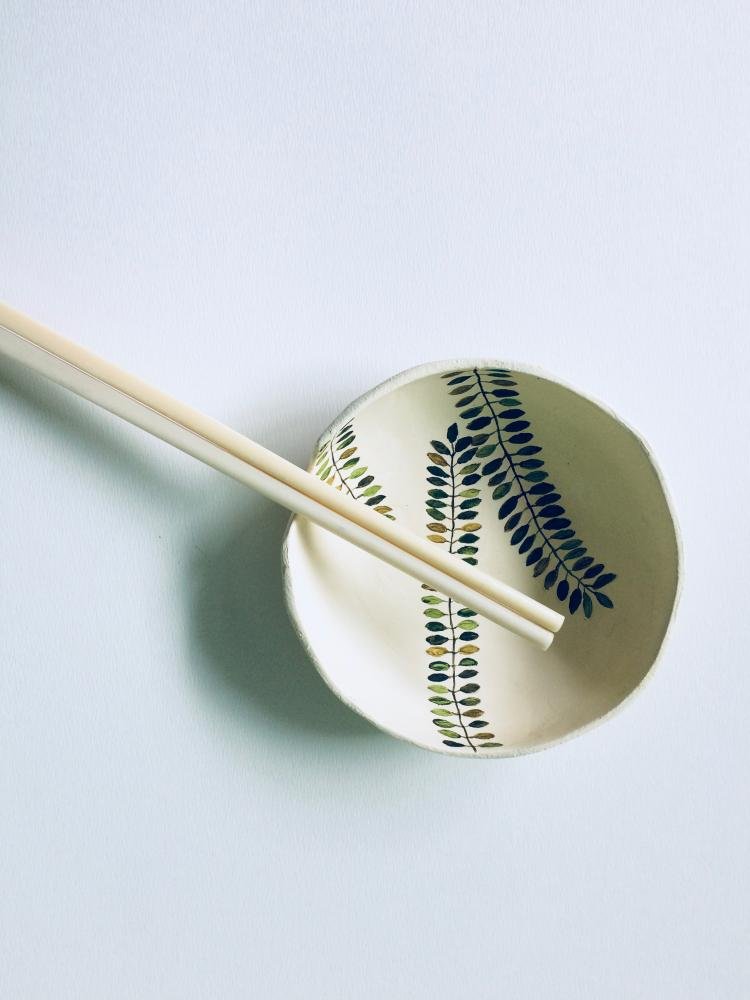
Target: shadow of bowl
(242, 642)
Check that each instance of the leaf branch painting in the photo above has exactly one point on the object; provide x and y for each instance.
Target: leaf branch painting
(338, 464)
(530, 505)
(452, 506)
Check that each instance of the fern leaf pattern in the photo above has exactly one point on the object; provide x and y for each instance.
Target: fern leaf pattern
(452, 506)
(338, 463)
(530, 505)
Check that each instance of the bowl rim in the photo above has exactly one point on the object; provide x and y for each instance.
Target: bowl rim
(424, 370)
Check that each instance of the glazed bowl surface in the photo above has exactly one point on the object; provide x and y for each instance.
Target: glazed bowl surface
(537, 484)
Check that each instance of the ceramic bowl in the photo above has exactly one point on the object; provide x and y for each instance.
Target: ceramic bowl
(536, 483)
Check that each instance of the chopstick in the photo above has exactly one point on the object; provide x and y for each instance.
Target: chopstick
(301, 492)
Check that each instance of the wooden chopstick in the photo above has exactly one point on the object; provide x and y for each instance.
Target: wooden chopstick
(214, 443)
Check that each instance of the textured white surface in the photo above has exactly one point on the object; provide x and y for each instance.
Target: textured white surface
(265, 209)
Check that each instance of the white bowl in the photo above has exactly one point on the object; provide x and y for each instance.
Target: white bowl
(560, 499)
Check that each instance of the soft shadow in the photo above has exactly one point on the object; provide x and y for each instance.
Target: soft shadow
(248, 650)
(241, 641)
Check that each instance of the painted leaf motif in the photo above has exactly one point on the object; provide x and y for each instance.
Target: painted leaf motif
(529, 504)
(458, 528)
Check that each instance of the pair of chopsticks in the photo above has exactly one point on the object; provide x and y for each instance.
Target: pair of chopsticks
(212, 442)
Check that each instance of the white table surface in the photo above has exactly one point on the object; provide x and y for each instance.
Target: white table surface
(266, 209)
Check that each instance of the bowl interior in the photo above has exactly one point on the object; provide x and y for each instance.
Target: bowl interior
(543, 488)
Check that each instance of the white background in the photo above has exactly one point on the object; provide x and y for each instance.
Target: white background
(266, 209)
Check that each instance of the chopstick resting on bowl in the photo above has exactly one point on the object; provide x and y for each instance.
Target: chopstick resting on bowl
(212, 442)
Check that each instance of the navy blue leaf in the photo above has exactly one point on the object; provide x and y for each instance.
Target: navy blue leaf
(516, 425)
(466, 456)
(507, 506)
(605, 601)
(462, 443)
(562, 589)
(470, 480)
(479, 423)
(542, 488)
(552, 511)
(583, 563)
(534, 556)
(520, 438)
(530, 449)
(499, 477)
(541, 566)
(526, 544)
(519, 534)
(437, 677)
(440, 447)
(510, 414)
(513, 521)
(551, 578)
(492, 466)
(468, 636)
(575, 601)
(603, 580)
(452, 743)
(594, 570)
(557, 522)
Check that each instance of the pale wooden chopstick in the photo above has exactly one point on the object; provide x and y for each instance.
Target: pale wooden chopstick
(214, 443)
